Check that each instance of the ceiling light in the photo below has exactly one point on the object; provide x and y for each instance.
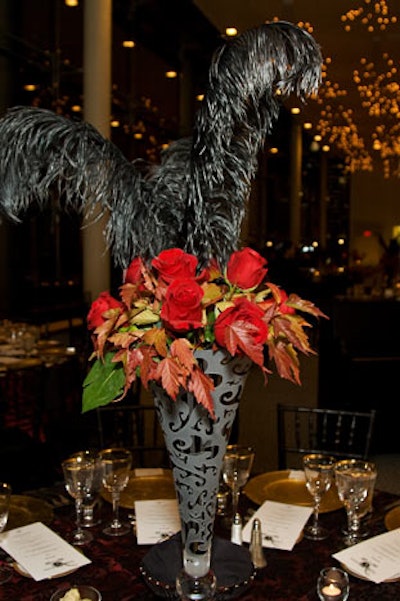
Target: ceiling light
(128, 44)
(171, 74)
(231, 31)
(71, 2)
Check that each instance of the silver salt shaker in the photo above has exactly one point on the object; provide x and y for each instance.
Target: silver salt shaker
(256, 549)
(236, 530)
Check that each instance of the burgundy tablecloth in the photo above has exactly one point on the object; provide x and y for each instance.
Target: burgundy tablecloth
(289, 576)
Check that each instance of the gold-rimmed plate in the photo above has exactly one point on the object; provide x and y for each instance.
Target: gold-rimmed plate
(279, 486)
(392, 519)
(25, 510)
(145, 488)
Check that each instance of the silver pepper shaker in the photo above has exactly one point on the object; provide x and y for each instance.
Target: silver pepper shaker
(256, 549)
(236, 530)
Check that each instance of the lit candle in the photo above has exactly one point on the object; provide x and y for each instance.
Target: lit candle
(330, 591)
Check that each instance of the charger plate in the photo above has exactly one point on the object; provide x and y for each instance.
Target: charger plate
(145, 488)
(392, 519)
(25, 510)
(277, 486)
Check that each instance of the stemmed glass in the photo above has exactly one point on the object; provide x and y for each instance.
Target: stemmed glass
(116, 464)
(236, 468)
(5, 498)
(333, 583)
(355, 480)
(318, 471)
(92, 493)
(78, 476)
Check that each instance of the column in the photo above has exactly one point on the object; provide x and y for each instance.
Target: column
(97, 111)
(323, 194)
(296, 153)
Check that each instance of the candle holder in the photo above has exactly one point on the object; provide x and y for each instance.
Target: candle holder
(333, 585)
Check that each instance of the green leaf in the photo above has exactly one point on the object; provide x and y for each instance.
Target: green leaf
(104, 383)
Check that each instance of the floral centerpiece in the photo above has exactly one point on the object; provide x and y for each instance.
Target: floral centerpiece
(167, 311)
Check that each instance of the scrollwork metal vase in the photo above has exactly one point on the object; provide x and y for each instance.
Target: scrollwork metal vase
(196, 444)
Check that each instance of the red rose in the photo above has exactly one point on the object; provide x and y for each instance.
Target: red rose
(102, 304)
(175, 263)
(134, 272)
(182, 309)
(246, 268)
(242, 311)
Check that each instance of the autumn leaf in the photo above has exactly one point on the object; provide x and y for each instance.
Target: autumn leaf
(201, 386)
(169, 374)
(158, 338)
(183, 351)
(286, 360)
(239, 335)
(291, 328)
(305, 306)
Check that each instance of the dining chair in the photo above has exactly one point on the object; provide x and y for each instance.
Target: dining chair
(341, 433)
(133, 425)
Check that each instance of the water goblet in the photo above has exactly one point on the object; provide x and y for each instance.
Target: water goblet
(5, 498)
(116, 464)
(333, 584)
(236, 467)
(355, 480)
(78, 476)
(91, 494)
(318, 471)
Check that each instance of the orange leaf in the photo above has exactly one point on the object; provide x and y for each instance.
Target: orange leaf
(157, 337)
(183, 351)
(286, 361)
(201, 386)
(169, 373)
(238, 335)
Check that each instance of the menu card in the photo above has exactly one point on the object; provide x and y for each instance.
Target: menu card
(376, 559)
(41, 552)
(281, 524)
(156, 520)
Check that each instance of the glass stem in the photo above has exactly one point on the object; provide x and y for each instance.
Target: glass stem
(78, 509)
(235, 500)
(115, 506)
(317, 503)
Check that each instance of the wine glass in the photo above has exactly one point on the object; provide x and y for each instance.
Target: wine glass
(355, 480)
(318, 471)
(236, 468)
(91, 494)
(78, 476)
(116, 464)
(5, 498)
(333, 585)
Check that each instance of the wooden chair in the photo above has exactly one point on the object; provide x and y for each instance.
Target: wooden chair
(135, 426)
(341, 433)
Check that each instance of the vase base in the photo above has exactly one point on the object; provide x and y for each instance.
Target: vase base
(231, 564)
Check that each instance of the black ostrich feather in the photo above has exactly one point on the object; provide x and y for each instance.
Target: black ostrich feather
(196, 198)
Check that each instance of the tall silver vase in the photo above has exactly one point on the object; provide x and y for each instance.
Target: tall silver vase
(196, 444)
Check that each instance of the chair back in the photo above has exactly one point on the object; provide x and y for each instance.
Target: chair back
(134, 426)
(341, 433)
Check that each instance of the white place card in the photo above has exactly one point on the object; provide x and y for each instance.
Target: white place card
(376, 559)
(297, 475)
(281, 524)
(156, 520)
(41, 552)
